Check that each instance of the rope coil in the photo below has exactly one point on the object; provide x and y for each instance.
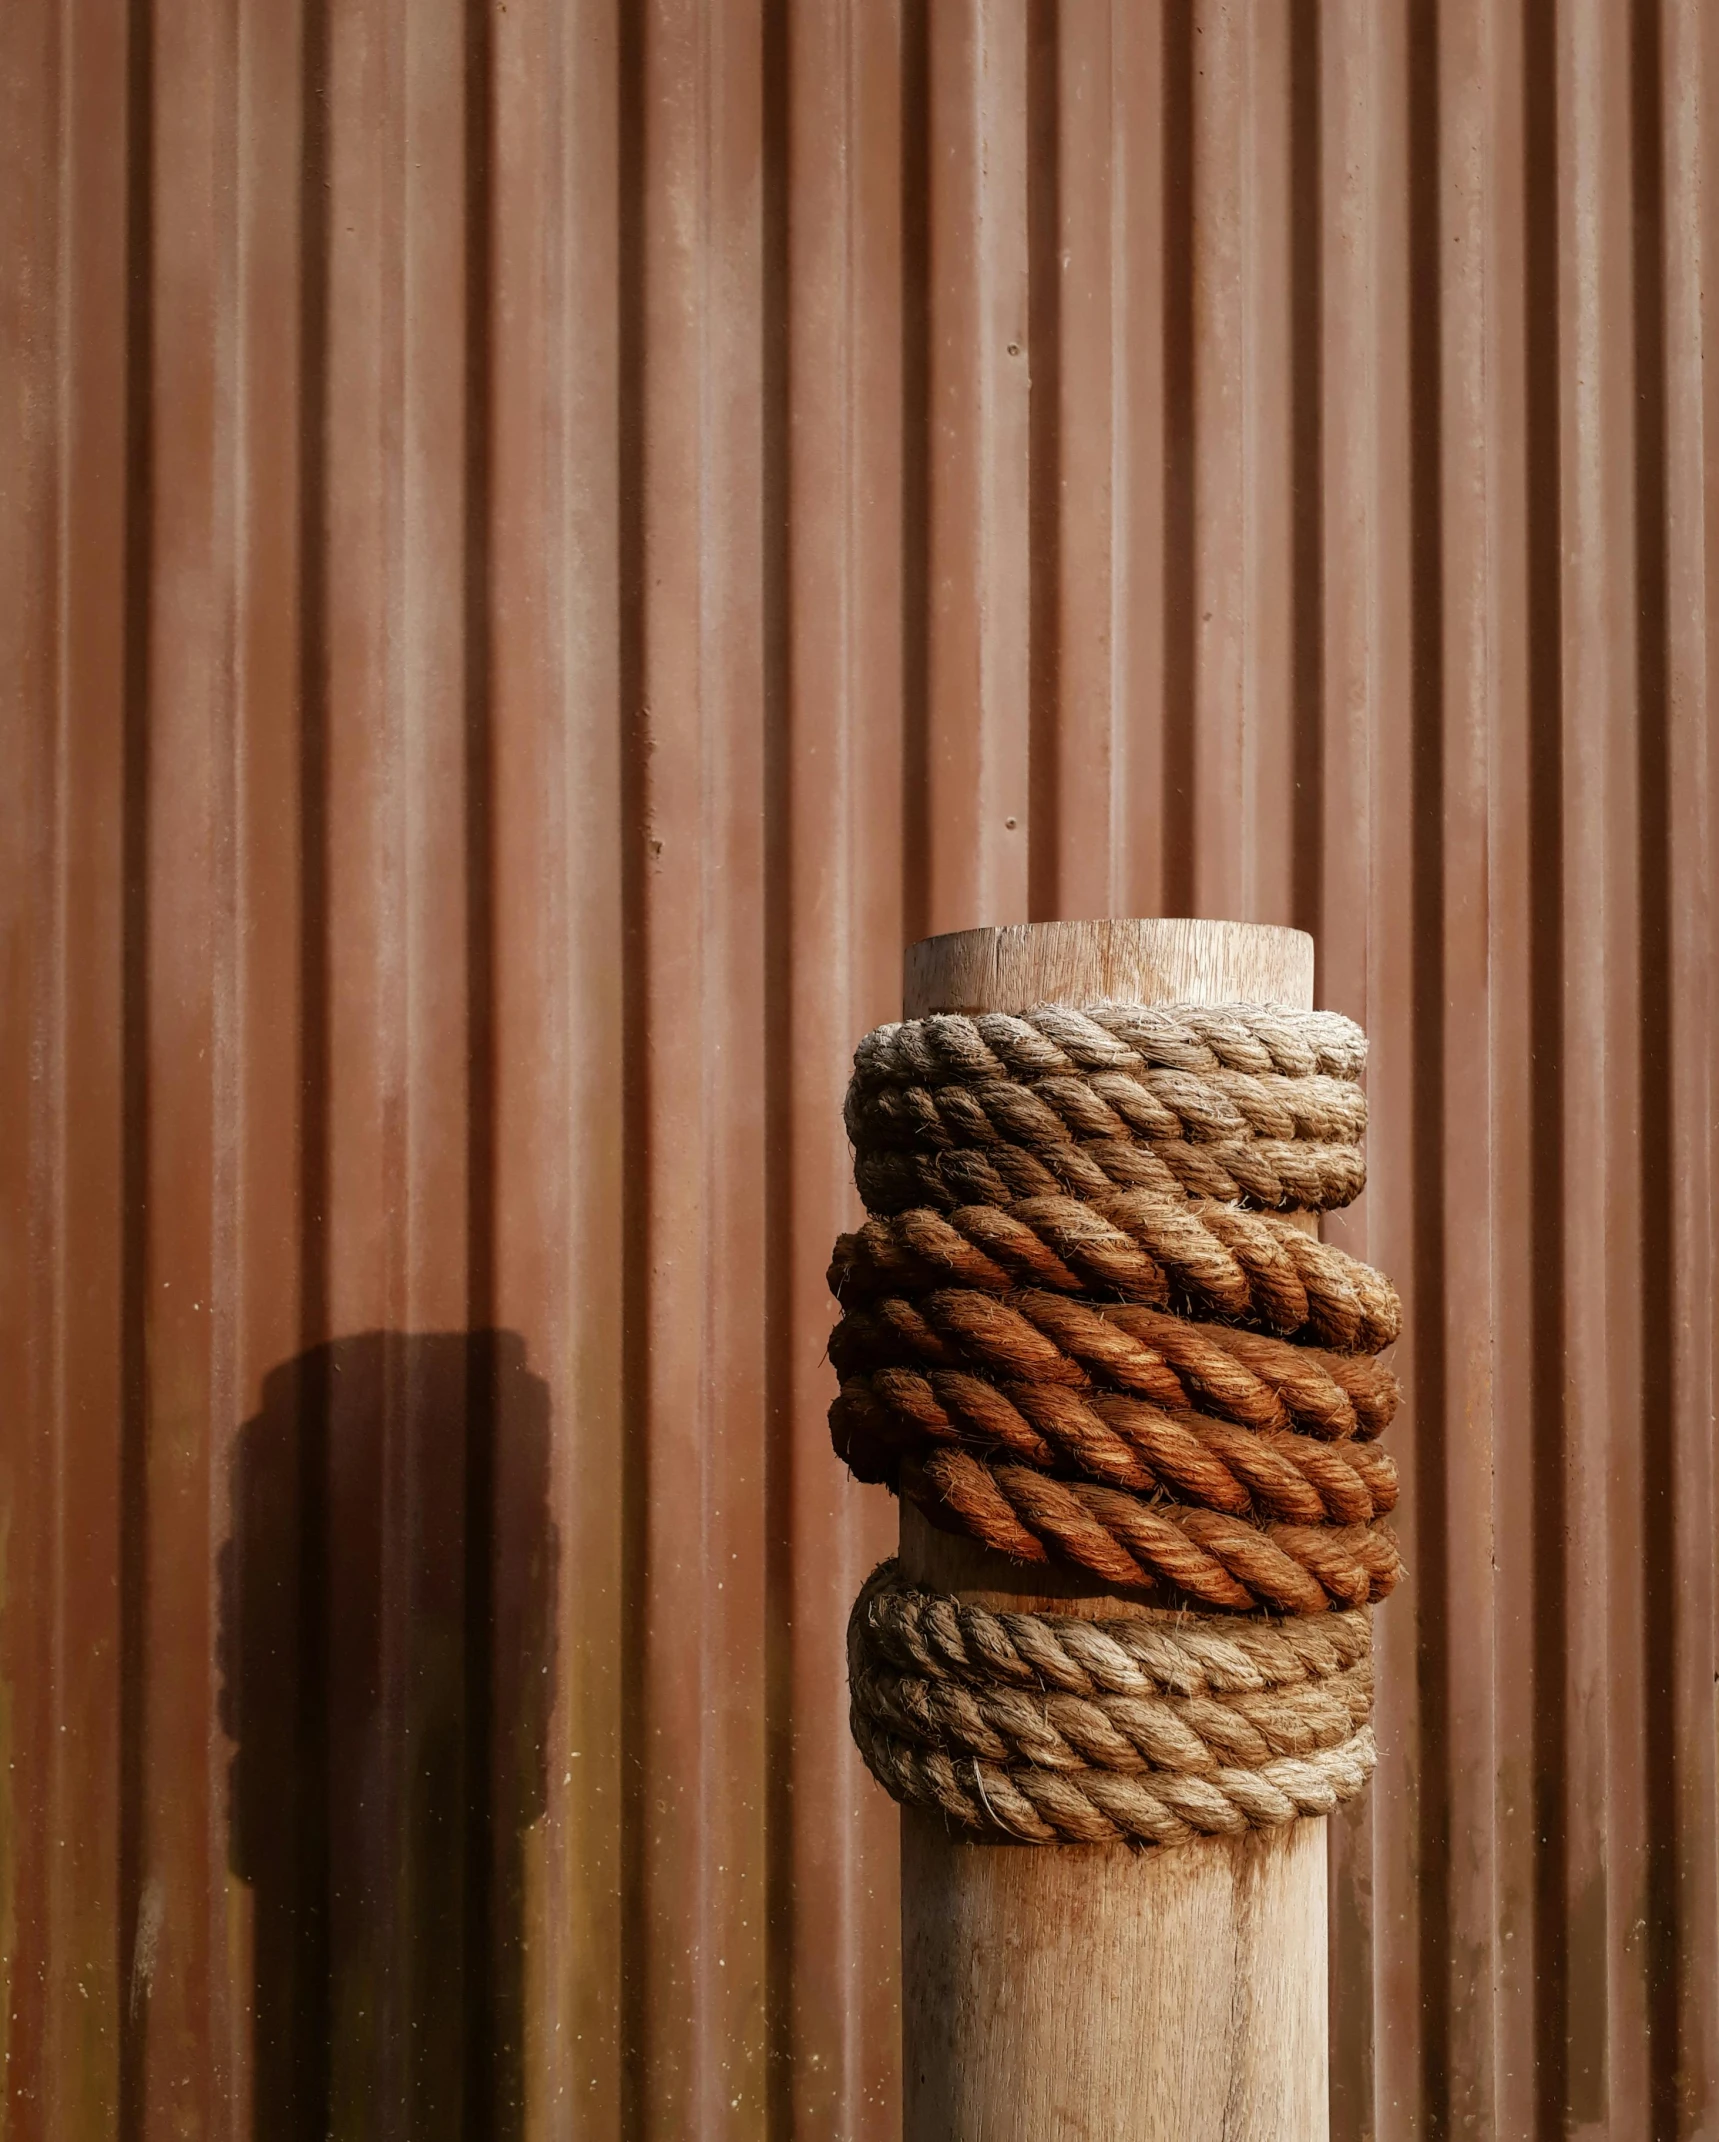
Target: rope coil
(1050, 1729)
(1064, 1335)
(1206, 1038)
(1251, 1267)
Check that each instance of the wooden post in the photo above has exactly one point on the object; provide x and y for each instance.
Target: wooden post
(1066, 1993)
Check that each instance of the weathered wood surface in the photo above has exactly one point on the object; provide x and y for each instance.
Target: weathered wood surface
(1100, 1994)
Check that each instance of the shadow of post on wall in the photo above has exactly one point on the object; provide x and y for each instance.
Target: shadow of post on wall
(387, 1654)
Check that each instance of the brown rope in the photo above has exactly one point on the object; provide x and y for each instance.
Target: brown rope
(1120, 1441)
(1154, 1728)
(1272, 1174)
(1250, 1267)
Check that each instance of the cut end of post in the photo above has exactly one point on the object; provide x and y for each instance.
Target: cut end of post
(1176, 960)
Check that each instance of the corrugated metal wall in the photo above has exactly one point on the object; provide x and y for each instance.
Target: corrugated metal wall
(541, 542)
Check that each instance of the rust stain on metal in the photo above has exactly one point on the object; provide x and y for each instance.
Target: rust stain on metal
(543, 544)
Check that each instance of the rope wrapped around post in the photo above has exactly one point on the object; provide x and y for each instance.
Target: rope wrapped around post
(1076, 1328)
(1059, 1730)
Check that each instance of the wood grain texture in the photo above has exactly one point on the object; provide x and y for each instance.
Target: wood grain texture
(1094, 1993)
(1103, 1993)
(1174, 960)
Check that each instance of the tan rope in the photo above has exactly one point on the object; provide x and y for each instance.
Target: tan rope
(905, 1683)
(1048, 1728)
(951, 1111)
(1144, 1652)
(1105, 1807)
(1156, 1105)
(1053, 1038)
(1271, 1173)
(1123, 1733)
(1133, 1654)
(1161, 1108)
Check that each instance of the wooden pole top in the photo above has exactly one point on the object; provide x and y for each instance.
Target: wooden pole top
(1179, 960)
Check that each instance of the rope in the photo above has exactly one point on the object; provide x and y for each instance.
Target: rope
(1142, 1653)
(1102, 1807)
(1050, 1729)
(1219, 1560)
(1239, 1376)
(1273, 1174)
(953, 1111)
(1063, 1336)
(1150, 1104)
(1251, 1267)
(1122, 1442)
(1206, 1038)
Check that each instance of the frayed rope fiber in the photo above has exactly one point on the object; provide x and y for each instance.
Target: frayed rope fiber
(1075, 1330)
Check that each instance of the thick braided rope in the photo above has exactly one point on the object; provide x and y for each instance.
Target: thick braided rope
(1145, 1653)
(1048, 1728)
(1173, 1132)
(1272, 1174)
(1107, 1807)
(951, 1110)
(1052, 1038)
(1050, 1109)
(977, 1696)
(1045, 1339)
(1251, 1268)
(1221, 1561)
(1119, 1441)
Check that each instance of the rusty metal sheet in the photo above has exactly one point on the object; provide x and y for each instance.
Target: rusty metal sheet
(541, 545)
